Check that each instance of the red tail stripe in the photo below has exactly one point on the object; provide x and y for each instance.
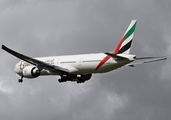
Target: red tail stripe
(114, 52)
(103, 62)
(119, 45)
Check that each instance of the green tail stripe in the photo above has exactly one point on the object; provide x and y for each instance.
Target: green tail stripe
(130, 32)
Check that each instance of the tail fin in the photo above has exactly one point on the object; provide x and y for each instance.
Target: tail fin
(124, 45)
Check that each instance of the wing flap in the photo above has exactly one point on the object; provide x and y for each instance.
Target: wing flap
(70, 69)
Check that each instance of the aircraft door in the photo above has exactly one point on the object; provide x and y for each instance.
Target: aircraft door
(79, 61)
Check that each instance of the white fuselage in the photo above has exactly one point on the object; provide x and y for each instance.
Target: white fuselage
(77, 64)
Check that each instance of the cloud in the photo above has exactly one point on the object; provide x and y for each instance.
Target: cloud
(44, 28)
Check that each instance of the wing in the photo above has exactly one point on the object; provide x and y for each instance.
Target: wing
(40, 64)
(146, 60)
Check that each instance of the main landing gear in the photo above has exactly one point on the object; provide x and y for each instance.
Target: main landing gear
(76, 78)
(20, 80)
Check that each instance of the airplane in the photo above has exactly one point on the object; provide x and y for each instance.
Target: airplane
(79, 68)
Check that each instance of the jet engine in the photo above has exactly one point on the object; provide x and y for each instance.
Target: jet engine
(31, 72)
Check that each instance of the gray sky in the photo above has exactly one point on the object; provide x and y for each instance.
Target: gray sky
(57, 27)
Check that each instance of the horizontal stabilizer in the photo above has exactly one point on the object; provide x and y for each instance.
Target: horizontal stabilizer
(146, 60)
(115, 56)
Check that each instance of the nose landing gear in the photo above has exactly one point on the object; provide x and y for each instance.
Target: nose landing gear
(20, 80)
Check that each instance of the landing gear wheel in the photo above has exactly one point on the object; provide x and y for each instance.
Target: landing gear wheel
(80, 81)
(61, 80)
(20, 80)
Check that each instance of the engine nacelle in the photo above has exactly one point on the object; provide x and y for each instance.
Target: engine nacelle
(31, 72)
